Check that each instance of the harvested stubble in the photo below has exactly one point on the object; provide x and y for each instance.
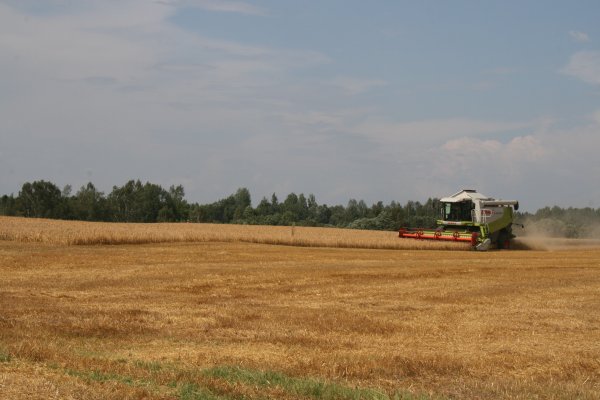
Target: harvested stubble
(552, 243)
(210, 320)
(94, 233)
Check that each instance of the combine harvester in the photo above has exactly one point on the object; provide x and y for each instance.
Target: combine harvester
(468, 216)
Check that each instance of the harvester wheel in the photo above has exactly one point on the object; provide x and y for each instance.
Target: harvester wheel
(503, 240)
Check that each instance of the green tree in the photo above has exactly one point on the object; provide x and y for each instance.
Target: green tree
(9, 205)
(41, 199)
(290, 209)
(242, 200)
(177, 204)
(264, 208)
(337, 216)
(89, 204)
(122, 201)
(149, 201)
(274, 203)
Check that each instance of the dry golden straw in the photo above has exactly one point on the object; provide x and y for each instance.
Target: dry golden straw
(98, 233)
(204, 320)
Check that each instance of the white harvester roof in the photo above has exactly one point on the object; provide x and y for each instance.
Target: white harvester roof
(472, 195)
(465, 194)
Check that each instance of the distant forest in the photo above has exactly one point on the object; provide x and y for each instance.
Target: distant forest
(148, 202)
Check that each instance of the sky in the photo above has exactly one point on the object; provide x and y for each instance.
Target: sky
(373, 100)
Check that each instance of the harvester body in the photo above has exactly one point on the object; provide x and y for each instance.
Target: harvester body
(469, 216)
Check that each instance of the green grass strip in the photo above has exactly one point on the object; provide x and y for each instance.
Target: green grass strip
(186, 390)
(202, 389)
(191, 391)
(307, 387)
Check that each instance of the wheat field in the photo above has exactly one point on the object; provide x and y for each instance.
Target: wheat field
(210, 319)
(99, 233)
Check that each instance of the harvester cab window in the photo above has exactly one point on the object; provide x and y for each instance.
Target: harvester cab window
(460, 211)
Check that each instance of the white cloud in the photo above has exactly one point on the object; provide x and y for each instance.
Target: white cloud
(584, 65)
(539, 161)
(466, 155)
(495, 168)
(428, 132)
(549, 165)
(580, 37)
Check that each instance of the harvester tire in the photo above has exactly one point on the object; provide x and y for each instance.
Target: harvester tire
(503, 240)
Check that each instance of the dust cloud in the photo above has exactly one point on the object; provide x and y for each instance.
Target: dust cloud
(551, 234)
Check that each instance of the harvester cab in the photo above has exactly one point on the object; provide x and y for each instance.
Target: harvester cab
(469, 216)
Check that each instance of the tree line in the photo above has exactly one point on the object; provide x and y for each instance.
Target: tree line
(132, 202)
(148, 202)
